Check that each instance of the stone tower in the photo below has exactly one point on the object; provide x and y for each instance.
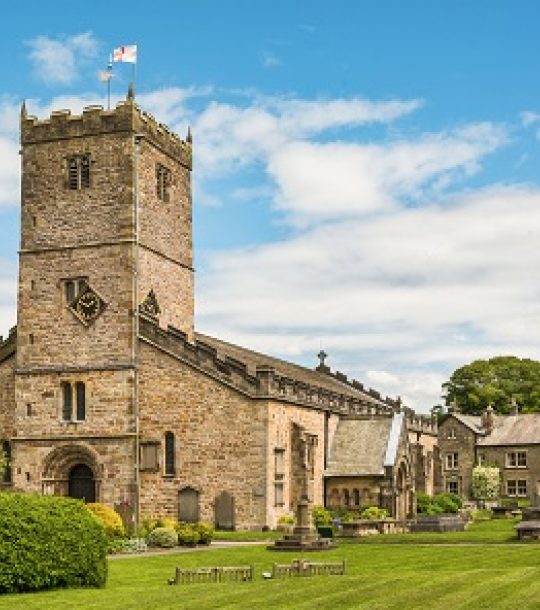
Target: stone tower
(105, 238)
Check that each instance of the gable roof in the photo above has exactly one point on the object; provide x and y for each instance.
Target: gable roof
(473, 422)
(362, 447)
(522, 429)
(253, 359)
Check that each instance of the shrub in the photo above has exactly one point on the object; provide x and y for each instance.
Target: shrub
(374, 513)
(111, 520)
(187, 534)
(205, 532)
(128, 545)
(286, 520)
(167, 522)
(49, 541)
(486, 482)
(450, 503)
(164, 537)
(321, 516)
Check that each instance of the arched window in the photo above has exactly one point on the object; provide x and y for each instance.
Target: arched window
(356, 497)
(346, 497)
(67, 401)
(169, 454)
(81, 401)
(6, 450)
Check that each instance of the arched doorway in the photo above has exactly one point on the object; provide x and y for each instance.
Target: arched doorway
(188, 505)
(402, 493)
(81, 483)
(224, 511)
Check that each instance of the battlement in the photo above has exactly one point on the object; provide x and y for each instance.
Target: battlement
(126, 118)
(8, 346)
(269, 383)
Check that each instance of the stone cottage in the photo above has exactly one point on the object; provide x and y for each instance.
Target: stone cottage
(108, 394)
(511, 442)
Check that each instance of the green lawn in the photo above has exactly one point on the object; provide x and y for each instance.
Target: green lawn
(382, 575)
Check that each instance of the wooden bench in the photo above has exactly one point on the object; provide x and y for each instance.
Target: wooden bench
(212, 574)
(299, 567)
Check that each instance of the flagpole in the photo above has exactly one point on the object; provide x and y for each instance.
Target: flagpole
(109, 68)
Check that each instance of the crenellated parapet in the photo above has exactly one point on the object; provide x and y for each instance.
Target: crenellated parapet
(8, 346)
(269, 383)
(126, 117)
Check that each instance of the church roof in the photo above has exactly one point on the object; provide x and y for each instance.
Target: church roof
(254, 359)
(359, 447)
(522, 429)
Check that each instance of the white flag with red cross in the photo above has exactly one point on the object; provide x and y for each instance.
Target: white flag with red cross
(126, 54)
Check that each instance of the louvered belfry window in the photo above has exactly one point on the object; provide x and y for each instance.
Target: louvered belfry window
(79, 172)
(163, 181)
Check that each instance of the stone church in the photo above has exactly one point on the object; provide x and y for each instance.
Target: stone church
(108, 394)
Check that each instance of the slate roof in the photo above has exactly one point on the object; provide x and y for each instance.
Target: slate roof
(474, 422)
(252, 359)
(359, 447)
(522, 429)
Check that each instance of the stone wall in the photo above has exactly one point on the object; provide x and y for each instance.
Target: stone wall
(220, 440)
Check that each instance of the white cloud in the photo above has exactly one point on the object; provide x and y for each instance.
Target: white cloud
(529, 118)
(8, 296)
(58, 60)
(432, 286)
(270, 60)
(335, 179)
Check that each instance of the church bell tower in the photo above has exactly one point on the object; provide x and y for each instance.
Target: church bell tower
(106, 237)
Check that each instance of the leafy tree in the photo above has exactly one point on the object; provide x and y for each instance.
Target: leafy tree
(496, 381)
(486, 482)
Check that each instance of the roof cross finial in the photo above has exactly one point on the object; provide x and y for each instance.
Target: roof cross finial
(322, 355)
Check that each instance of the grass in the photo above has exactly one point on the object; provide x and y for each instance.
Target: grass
(247, 536)
(379, 575)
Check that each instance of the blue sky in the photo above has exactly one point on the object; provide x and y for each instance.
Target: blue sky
(366, 173)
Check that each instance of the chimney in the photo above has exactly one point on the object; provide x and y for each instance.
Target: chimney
(453, 407)
(515, 407)
(488, 420)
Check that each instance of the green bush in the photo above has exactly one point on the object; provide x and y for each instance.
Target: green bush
(321, 516)
(439, 503)
(450, 503)
(374, 513)
(164, 537)
(187, 534)
(49, 541)
(286, 520)
(205, 532)
(167, 522)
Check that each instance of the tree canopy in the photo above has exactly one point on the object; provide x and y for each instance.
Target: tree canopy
(496, 381)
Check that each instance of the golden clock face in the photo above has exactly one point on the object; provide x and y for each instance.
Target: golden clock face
(88, 305)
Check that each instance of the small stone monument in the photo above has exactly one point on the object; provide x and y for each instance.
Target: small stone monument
(304, 536)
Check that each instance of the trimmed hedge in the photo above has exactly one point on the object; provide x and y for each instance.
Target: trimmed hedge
(48, 542)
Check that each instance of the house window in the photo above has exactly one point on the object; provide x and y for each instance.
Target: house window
(482, 461)
(452, 487)
(67, 401)
(516, 459)
(163, 181)
(79, 172)
(356, 497)
(278, 494)
(346, 497)
(169, 454)
(452, 461)
(80, 391)
(452, 433)
(516, 487)
(6, 450)
(149, 456)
